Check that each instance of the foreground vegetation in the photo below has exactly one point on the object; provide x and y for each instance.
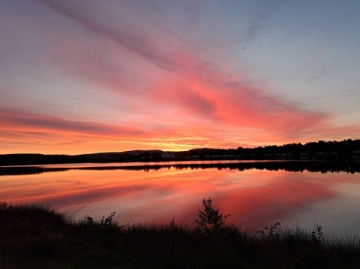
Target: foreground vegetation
(34, 236)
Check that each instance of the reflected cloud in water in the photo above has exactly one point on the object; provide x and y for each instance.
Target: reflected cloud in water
(254, 198)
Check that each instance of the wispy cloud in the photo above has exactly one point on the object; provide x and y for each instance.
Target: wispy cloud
(193, 84)
(259, 21)
(20, 120)
(128, 36)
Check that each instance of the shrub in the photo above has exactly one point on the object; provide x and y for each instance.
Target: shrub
(210, 220)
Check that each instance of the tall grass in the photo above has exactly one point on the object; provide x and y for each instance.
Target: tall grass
(34, 236)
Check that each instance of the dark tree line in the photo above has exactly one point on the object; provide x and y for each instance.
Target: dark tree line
(342, 151)
(345, 150)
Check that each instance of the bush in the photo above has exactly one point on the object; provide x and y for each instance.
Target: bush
(210, 220)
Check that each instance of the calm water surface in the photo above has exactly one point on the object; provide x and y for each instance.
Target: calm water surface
(254, 198)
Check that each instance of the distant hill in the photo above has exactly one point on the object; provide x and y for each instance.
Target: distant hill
(119, 154)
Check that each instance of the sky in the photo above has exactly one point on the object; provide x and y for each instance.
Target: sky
(114, 75)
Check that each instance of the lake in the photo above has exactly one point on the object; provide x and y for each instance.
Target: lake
(256, 194)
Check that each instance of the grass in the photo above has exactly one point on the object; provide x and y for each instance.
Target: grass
(34, 236)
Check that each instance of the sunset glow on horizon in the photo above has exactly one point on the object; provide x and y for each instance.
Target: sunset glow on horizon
(106, 76)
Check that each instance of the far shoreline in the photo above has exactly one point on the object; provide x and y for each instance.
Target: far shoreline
(286, 165)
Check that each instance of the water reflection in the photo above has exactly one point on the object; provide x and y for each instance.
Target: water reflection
(255, 198)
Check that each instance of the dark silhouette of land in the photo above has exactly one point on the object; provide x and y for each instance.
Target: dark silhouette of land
(335, 151)
(272, 165)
